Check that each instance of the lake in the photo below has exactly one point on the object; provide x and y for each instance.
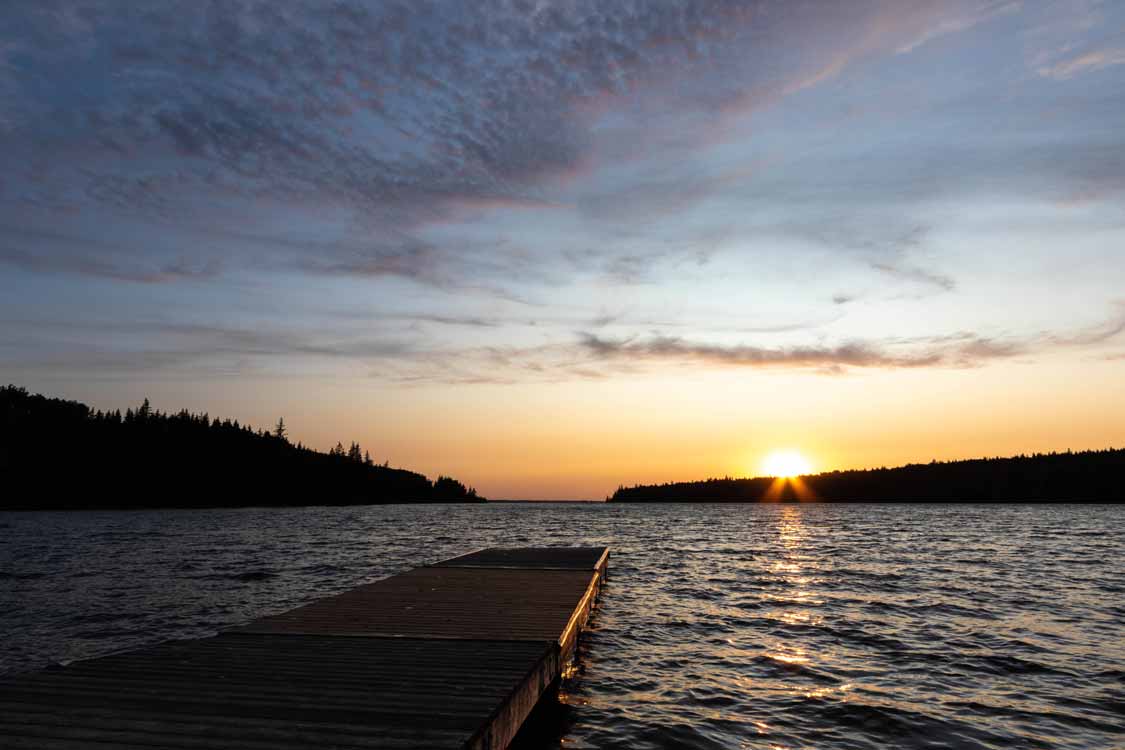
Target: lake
(722, 626)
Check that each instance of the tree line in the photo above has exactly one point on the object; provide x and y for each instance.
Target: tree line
(60, 454)
(1093, 476)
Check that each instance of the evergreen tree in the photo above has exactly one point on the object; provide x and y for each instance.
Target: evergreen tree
(177, 459)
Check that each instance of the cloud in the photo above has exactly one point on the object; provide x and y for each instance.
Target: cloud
(512, 151)
(1087, 62)
(126, 342)
(884, 245)
(189, 354)
(1093, 335)
(170, 349)
(960, 349)
(383, 107)
(452, 320)
(399, 110)
(916, 274)
(177, 270)
(411, 259)
(854, 354)
(63, 252)
(381, 122)
(966, 19)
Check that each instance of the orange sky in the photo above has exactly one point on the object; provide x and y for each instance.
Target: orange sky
(580, 440)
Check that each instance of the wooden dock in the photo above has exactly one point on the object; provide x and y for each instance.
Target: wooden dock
(451, 655)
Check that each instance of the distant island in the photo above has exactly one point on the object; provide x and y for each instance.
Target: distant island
(63, 455)
(1093, 476)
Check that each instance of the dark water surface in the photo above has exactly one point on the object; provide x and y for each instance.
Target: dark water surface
(828, 626)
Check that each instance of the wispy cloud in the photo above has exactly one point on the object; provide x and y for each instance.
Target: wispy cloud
(961, 349)
(395, 109)
(169, 349)
(916, 274)
(480, 177)
(398, 117)
(413, 260)
(1087, 62)
(896, 260)
(176, 270)
(827, 358)
(1099, 333)
(822, 357)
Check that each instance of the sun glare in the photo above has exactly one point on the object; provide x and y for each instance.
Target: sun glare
(786, 464)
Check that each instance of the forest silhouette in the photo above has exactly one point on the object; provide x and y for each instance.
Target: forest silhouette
(59, 454)
(1092, 476)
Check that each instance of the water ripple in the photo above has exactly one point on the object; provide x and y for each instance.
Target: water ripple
(720, 626)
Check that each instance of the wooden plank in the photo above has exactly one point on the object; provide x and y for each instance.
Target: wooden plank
(568, 640)
(225, 691)
(446, 656)
(531, 558)
(438, 602)
(507, 718)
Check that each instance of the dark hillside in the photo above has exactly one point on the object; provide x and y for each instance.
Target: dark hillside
(1097, 476)
(57, 454)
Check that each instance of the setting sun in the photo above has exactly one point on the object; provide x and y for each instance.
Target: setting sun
(786, 464)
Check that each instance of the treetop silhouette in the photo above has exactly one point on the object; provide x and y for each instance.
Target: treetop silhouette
(157, 459)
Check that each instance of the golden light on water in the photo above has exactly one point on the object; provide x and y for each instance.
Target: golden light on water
(786, 464)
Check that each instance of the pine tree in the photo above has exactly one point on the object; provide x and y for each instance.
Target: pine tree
(280, 431)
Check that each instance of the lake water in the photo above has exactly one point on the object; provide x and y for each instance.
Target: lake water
(781, 626)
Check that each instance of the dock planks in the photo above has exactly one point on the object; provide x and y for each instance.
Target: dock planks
(452, 655)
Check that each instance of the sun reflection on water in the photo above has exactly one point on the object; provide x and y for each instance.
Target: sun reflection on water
(790, 655)
(837, 692)
(799, 618)
(798, 596)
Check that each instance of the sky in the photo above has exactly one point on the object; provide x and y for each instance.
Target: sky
(551, 248)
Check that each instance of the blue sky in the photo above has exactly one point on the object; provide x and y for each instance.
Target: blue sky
(408, 202)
